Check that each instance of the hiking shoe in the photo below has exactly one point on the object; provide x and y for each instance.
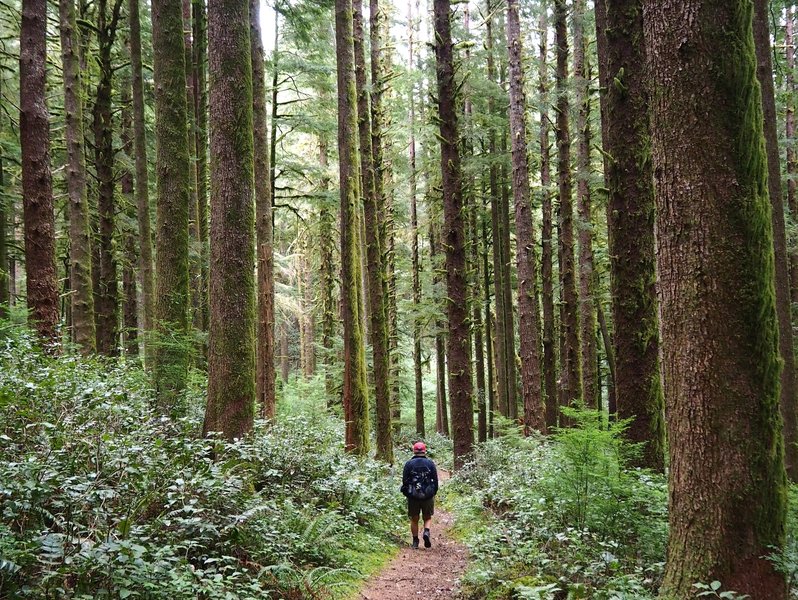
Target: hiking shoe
(415, 543)
(427, 542)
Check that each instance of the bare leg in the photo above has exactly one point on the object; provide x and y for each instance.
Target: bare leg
(427, 523)
(414, 526)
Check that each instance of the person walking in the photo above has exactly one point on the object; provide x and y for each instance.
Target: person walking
(419, 485)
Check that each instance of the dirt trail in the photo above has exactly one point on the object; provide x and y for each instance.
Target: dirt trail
(424, 573)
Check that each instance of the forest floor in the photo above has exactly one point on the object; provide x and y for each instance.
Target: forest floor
(429, 573)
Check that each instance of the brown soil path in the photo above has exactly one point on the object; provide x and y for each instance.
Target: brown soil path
(430, 574)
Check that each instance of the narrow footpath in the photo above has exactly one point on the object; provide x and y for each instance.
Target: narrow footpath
(429, 573)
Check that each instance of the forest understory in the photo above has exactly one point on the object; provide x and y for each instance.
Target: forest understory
(103, 497)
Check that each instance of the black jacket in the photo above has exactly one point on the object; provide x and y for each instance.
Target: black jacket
(417, 462)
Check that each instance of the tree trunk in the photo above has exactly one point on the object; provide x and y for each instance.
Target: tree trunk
(571, 371)
(129, 292)
(231, 331)
(454, 240)
(788, 383)
(372, 206)
(719, 326)
(82, 298)
(441, 410)
(142, 181)
(265, 384)
(792, 155)
(526, 260)
(490, 388)
(171, 346)
(355, 393)
(195, 276)
(630, 216)
(106, 306)
(329, 303)
(37, 184)
(547, 256)
(587, 277)
(4, 264)
(201, 145)
(610, 356)
(502, 401)
(419, 393)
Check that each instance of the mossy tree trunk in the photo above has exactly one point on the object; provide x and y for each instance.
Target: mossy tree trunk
(4, 266)
(195, 275)
(502, 383)
(719, 325)
(329, 303)
(570, 372)
(415, 257)
(526, 259)
(263, 224)
(146, 274)
(783, 310)
(130, 326)
(547, 233)
(792, 155)
(171, 349)
(355, 391)
(372, 207)
(231, 331)
(37, 184)
(441, 406)
(630, 215)
(587, 276)
(106, 304)
(200, 51)
(460, 390)
(82, 297)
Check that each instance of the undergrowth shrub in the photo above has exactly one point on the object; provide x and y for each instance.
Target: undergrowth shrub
(103, 497)
(561, 517)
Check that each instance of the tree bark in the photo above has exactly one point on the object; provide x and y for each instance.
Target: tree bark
(441, 410)
(200, 49)
(146, 274)
(719, 327)
(454, 240)
(783, 310)
(106, 305)
(587, 276)
(171, 345)
(355, 393)
(417, 377)
(547, 255)
(37, 184)
(5, 267)
(792, 156)
(372, 207)
(329, 304)
(130, 326)
(526, 259)
(82, 297)
(231, 331)
(630, 216)
(195, 276)
(502, 383)
(265, 372)
(571, 375)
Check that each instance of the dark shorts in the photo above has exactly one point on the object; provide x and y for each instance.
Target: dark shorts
(426, 507)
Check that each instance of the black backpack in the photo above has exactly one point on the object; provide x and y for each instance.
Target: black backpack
(420, 485)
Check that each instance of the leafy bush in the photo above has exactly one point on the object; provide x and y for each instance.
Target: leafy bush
(103, 497)
(562, 517)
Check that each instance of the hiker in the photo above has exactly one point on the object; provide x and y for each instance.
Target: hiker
(419, 485)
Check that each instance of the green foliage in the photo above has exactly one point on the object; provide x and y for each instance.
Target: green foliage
(562, 518)
(103, 497)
